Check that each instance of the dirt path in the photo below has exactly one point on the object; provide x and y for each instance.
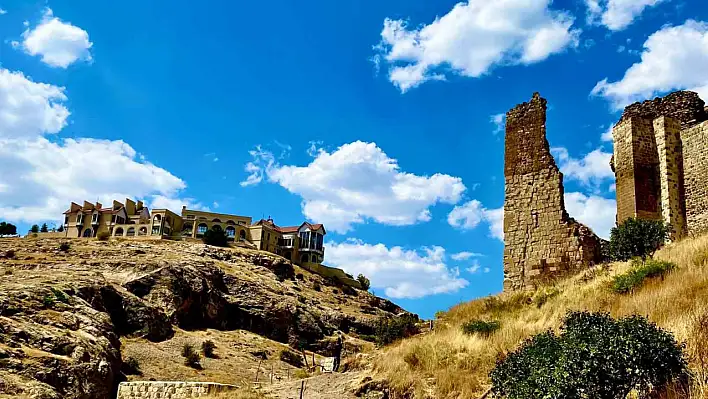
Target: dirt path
(324, 386)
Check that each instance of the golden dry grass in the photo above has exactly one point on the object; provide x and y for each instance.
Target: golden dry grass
(446, 363)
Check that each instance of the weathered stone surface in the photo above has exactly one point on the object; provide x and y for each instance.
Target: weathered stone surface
(660, 163)
(541, 240)
(170, 389)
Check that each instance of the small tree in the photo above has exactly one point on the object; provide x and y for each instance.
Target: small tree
(44, 228)
(7, 229)
(208, 347)
(61, 228)
(216, 237)
(365, 283)
(637, 237)
(34, 229)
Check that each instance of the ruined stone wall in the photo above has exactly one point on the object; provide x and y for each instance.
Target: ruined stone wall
(169, 390)
(684, 106)
(541, 240)
(695, 160)
(672, 201)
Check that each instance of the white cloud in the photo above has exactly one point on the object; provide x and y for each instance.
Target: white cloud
(3, 11)
(44, 177)
(592, 170)
(675, 57)
(476, 267)
(616, 14)
(29, 109)
(593, 211)
(469, 215)
(39, 178)
(59, 43)
(175, 204)
(464, 255)
(472, 38)
(401, 273)
(498, 120)
(607, 134)
(486, 270)
(355, 183)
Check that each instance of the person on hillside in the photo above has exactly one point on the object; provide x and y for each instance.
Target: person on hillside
(338, 351)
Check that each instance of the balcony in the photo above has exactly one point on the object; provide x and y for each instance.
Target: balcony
(312, 248)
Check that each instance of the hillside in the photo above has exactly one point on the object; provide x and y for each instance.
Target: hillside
(447, 363)
(70, 318)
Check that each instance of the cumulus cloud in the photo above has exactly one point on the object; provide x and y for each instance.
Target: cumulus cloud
(472, 38)
(592, 170)
(59, 43)
(355, 183)
(616, 14)
(499, 120)
(39, 177)
(469, 215)
(401, 273)
(596, 212)
(464, 255)
(3, 11)
(29, 109)
(675, 57)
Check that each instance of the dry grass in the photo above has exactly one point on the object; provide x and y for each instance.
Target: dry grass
(449, 364)
(240, 394)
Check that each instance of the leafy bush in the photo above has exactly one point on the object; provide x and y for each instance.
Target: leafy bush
(48, 301)
(637, 237)
(64, 247)
(7, 229)
(208, 347)
(103, 236)
(131, 366)
(60, 295)
(191, 357)
(481, 327)
(392, 329)
(217, 238)
(627, 282)
(594, 356)
(365, 283)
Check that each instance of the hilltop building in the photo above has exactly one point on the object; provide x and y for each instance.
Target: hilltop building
(661, 162)
(303, 244)
(541, 241)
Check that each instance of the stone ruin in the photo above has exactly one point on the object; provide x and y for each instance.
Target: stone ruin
(541, 240)
(661, 163)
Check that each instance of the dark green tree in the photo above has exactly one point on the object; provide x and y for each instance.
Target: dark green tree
(44, 228)
(34, 229)
(7, 229)
(365, 283)
(216, 237)
(637, 238)
(61, 228)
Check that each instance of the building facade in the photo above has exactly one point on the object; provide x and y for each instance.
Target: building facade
(302, 245)
(661, 163)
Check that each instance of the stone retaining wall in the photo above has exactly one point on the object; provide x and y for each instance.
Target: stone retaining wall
(169, 389)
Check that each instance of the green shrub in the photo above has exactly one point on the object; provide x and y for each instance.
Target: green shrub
(191, 357)
(392, 329)
(365, 283)
(637, 238)
(48, 301)
(103, 236)
(208, 347)
(131, 366)
(64, 247)
(60, 295)
(594, 356)
(481, 327)
(216, 237)
(634, 278)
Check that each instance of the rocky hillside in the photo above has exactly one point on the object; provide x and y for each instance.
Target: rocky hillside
(70, 316)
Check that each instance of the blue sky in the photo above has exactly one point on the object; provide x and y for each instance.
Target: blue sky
(381, 119)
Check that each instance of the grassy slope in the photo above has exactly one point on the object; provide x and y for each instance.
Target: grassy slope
(449, 364)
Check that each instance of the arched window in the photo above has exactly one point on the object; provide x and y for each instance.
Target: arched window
(157, 219)
(230, 232)
(88, 233)
(216, 227)
(216, 221)
(119, 232)
(230, 223)
(143, 231)
(131, 232)
(187, 229)
(304, 258)
(202, 228)
(242, 234)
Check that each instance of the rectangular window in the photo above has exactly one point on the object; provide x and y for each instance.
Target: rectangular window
(156, 230)
(80, 218)
(201, 229)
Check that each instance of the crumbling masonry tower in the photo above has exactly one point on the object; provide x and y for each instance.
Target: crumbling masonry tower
(541, 240)
(661, 163)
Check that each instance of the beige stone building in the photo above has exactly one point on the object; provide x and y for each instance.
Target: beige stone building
(661, 162)
(303, 244)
